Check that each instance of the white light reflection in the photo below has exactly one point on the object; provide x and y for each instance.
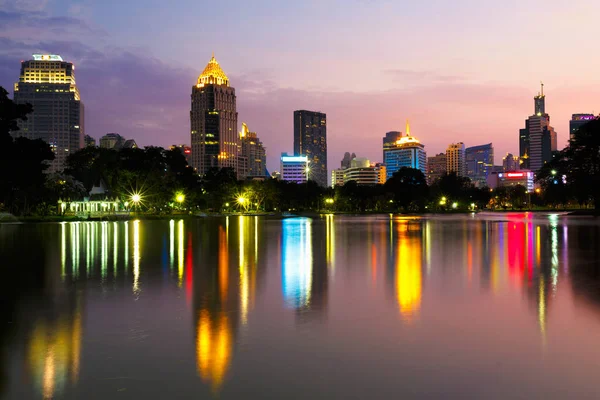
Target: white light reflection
(126, 252)
(297, 261)
(104, 250)
(63, 250)
(115, 247)
(171, 243)
(554, 237)
(136, 257)
(75, 265)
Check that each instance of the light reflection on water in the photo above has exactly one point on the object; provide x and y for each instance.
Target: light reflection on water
(264, 292)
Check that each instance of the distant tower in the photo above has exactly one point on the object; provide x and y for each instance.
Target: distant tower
(48, 84)
(479, 162)
(405, 151)
(455, 159)
(213, 120)
(253, 154)
(310, 140)
(538, 140)
(577, 121)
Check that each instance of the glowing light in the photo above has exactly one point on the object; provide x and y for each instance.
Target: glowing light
(329, 201)
(553, 172)
(454, 205)
(212, 75)
(330, 241)
(242, 200)
(136, 198)
(214, 344)
(408, 273)
(180, 197)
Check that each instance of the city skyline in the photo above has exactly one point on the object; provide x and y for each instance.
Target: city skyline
(113, 73)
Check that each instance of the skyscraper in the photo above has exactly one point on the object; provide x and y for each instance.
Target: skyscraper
(510, 163)
(455, 159)
(538, 140)
(577, 121)
(253, 154)
(345, 163)
(310, 139)
(213, 121)
(406, 151)
(436, 167)
(294, 168)
(479, 161)
(390, 138)
(48, 84)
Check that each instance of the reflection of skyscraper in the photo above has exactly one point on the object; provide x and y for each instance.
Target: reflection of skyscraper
(213, 117)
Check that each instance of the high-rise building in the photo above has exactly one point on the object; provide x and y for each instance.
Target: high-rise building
(347, 160)
(538, 140)
(213, 121)
(112, 141)
(253, 154)
(390, 137)
(577, 121)
(406, 151)
(48, 84)
(294, 168)
(510, 163)
(89, 141)
(455, 159)
(479, 161)
(310, 140)
(436, 168)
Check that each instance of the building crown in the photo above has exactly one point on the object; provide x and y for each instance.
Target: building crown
(212, 74)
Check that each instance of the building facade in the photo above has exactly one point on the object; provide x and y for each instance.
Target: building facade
(337, 177)
(479, 161)
(390, 138)
(294, 168)
(577, 121)
(310, 140)
(455, 159)
(436, 167)
(363, 172)
(213, 121)
(89, 141)
(538, 140)
(406, 151)
(253, 154)
(48, 84)
(512, 178)
(510, 163)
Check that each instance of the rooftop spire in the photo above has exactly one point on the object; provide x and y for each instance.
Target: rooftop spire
(212, 74)
(407, 128)
(542, 83)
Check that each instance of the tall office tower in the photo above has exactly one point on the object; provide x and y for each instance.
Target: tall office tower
(406, 151)
(390, 138)
(479, 161)
(48, 84)
(112, 141)
(213, 121)
(253, 153)
(310, 140)
(436, 168)
(538, 140)
(294, 168)
(347, 160)
(455, 159)
(89, 141)
(510, 163)
(577, 121)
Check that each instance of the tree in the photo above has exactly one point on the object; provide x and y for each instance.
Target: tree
(409, 188)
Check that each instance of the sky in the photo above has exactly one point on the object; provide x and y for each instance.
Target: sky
(462, 70)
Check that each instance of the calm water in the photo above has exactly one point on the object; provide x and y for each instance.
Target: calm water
(497, 307)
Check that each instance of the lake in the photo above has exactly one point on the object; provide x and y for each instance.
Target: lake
(490, 306)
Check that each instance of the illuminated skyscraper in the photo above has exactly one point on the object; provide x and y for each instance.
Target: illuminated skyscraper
(295, 168)
(436, 167)
(213, 120)
(479, 161)
(577, 121)
(538, 140)
(310, 139)
(406, 151)
(510, 163)
(48, 84)
(253, 154)
(455, 159)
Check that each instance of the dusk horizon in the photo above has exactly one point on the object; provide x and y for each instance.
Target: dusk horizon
(367, 81)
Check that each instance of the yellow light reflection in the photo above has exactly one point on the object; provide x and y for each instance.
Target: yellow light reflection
(214, 348)
(126, 244)
(542, 309)
(330, 242)
(180, 255)
(136, 256)
(538, 247)
(63, 250)
(104, 250)
(223, 264)
(75, 266)
(408, 272)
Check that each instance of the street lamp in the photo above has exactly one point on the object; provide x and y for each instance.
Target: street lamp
(553, 172)
(329, 200)
(180, 198)
(454, 205)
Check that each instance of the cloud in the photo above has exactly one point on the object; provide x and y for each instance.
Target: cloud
(409, 76)
(23, 5)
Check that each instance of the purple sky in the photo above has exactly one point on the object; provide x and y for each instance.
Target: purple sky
(463, 70)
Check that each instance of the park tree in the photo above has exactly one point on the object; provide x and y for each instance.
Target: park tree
(409, 189)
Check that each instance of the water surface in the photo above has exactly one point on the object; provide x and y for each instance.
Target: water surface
(495, 307)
